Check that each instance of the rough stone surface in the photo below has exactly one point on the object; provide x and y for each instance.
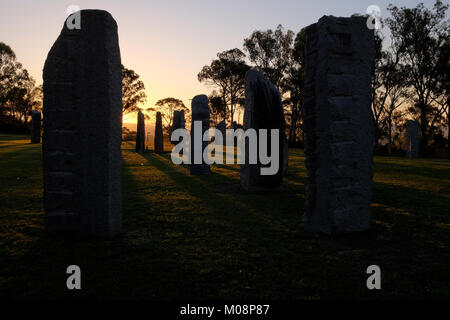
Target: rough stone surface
(263, 110)
(35, 126)
(140, 134)
(178, 122)
(200, 112)
(338, 125)
(159, 137)
(412, 139)
(82, 129)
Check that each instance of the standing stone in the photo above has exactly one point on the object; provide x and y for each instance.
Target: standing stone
(178, 122)
(412, 142)
(235, 126)
(35, 126)
(222, 127)
(263, 110)
(140, 135)
(338, 125)
(200, 113)
(82, 129)
(159, 138)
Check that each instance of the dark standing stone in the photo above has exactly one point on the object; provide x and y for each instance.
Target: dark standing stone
(178, 122)
(338, 125)
(140, 135)
(222, 127)
(412, 142)
(263, 110)
(159, 138)
(35, 126)
(200, 112)
(82, 129)
(235, 126)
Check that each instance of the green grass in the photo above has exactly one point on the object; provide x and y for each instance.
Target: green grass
(201, 237)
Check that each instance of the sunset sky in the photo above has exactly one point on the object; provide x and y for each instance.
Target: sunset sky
(168, 42)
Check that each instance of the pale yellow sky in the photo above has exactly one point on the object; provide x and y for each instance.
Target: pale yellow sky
(167, 42)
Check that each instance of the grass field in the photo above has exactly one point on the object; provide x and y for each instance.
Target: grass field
(201, 237)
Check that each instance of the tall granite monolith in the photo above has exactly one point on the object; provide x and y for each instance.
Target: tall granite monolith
(35, 126)
(159, 137)
(338, 125)
(263, 110)
(82, 129)
(200, 124)
(178, 122)
(140, 134)
(412, 139)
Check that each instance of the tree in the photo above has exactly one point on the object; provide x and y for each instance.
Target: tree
(271, 52)
(133, 91)
(396, 96)
(443, 98)
(167, 106)
(420, 34)
(227, 74)
(292, 84)
(218, 108)
(18, 92)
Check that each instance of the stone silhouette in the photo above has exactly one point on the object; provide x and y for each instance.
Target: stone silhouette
(200, 124)
(82, 129)
(140, 135)
(412, 139)
(263, 110)
(178, 122)
(159, 138)
(235, 126)
(35, 126)
(338, 125)
(222, 127)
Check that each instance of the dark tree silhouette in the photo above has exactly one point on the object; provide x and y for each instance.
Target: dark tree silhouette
(133, 91)
(419, 35)
(218, 108)
(292, 84)
(167, 106)
(270, 51)
(18, 92)
(227, 74)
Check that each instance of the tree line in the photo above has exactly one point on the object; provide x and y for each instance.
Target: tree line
(410, 80)
(18, 91)
(410, 76)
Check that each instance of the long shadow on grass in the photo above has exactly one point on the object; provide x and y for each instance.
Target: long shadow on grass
(408, 169)
(257, 249)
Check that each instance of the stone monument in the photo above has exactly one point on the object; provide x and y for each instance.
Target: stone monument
(178, 122)
(222, 127)
(140, 134)
(35, 126)
(412, 139)
(338, 125)
(263, 110)
(200, 124)
(159, 137)
(82, 129)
